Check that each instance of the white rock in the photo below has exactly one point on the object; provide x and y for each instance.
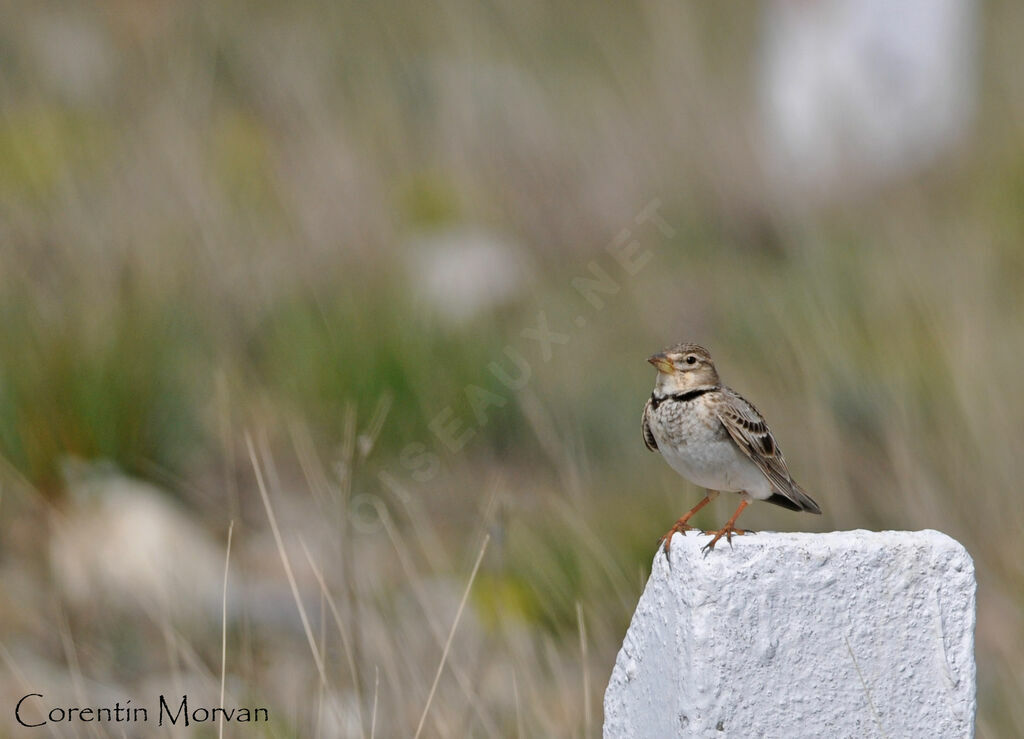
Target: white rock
(854, 92)
(848, 634)
(121, 545)
(124, 543)
(463, 272)
(73, 56)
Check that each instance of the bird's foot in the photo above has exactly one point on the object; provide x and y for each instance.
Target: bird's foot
(728, 531)
(681, 526)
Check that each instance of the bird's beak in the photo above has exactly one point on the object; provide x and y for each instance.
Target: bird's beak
(662, 362)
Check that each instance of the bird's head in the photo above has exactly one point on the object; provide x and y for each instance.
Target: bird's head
(682, 368)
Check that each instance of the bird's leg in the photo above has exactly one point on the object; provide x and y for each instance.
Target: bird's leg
(729, 530)
(681, 526)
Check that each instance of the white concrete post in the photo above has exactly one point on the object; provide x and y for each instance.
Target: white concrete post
(848, 634)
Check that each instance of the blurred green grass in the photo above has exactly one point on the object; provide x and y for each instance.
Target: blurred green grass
(235, 195)
(118, 391)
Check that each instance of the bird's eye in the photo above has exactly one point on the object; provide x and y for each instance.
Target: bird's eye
(691, 359)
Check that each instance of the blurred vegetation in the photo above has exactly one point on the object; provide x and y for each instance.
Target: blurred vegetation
(208, 214)
(116, 391)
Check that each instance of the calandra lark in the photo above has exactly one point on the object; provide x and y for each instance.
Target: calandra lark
(714, 438)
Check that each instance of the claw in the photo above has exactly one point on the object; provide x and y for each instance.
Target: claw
(728, 531)
(666, 540)
(681, 526)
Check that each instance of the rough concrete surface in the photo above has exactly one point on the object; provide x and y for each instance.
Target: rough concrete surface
(848, 634)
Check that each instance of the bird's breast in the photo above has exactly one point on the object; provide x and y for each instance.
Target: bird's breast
(697, 446)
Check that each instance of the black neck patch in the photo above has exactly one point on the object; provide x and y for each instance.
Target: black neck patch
(681, 397)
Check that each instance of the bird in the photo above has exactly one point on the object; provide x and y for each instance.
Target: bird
(715, 438)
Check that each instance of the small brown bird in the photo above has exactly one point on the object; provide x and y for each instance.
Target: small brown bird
(714, 438)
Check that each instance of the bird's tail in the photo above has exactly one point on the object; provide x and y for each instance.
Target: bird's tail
(795, 499)
(806, 501)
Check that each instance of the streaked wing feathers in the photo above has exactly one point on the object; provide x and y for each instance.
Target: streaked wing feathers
(649, 440)
(750, 432)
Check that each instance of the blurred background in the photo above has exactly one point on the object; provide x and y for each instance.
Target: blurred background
(406, 261)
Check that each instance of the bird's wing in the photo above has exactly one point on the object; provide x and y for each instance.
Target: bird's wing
(750, 432)
(649, 440)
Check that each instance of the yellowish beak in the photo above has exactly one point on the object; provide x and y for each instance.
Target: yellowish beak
(662, 362)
